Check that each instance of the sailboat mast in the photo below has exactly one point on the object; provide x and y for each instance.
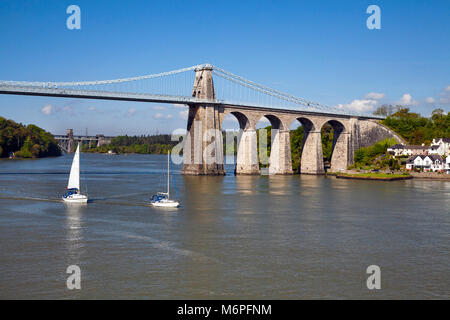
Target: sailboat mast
(168, 174)
(79, 171)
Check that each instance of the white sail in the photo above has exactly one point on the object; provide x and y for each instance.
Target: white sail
(74, 179)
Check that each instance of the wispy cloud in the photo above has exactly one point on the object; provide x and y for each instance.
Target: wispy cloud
(375, 96)
(407, 100)
(360, 105)
(48, 109)
(161, 116)
(369, 103)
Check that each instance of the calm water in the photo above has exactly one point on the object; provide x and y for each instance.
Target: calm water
(234, 237)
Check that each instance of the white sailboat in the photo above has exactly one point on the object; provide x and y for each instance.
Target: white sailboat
(73, 194)
(162, 199)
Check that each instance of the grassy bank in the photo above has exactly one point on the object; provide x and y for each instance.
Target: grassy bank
(374, 176)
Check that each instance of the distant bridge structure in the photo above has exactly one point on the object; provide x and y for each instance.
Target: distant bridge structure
(215, 93)
(69, 141)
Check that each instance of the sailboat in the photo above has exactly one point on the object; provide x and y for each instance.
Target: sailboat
(162, 199)
(73, 194)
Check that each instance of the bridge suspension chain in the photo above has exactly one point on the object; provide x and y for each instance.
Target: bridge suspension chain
(272, 92)
(172, 88)
(98, 82)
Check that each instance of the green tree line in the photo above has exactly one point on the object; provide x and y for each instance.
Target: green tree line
(157, 144)
(413, 127)
(26, 141)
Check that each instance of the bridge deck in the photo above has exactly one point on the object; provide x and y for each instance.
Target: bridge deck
(121, 96)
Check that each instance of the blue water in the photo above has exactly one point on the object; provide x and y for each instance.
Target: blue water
(292, 237)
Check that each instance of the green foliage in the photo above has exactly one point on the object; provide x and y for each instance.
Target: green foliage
(26, 141)
(296, 147)
(159, 144)
(377, 153)
(416, 129)
(268, 144)
(327, 142)
(297, 137)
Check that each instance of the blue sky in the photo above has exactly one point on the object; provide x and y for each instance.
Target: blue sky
(318, 50)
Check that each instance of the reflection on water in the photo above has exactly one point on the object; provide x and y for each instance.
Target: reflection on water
(74, 229)
(233, 237)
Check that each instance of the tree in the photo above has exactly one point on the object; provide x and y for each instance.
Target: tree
(417, 129)
(26, 141)
(384, 110)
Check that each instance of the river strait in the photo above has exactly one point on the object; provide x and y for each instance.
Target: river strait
(262, 237)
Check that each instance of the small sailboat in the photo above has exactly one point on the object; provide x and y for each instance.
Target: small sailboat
(162, 199)
(73, 194)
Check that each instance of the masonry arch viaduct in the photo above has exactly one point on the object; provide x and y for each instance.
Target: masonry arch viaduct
(350, 134)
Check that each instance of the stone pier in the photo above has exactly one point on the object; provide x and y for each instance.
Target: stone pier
(247, 153)
(203, 154)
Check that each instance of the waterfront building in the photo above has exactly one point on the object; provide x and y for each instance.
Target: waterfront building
(427, 163)
(447, 165)
(441, 146)
(399, 150)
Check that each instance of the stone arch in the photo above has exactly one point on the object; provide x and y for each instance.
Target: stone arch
(280, 151)
(311, 157)
(340, 154)
(243, 120)
(247, 157)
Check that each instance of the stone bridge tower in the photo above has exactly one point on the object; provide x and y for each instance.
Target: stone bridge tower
(70, 141)
(203, 150)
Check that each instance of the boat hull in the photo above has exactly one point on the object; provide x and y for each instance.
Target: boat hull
(166, 204)
(76, 199)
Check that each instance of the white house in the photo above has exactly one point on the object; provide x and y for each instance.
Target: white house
(441, 146)
(399, 150)
(447, 165)
(433, 163)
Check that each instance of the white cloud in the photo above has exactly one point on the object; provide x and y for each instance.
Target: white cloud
(360, 105)
(448, 88)
(375, 96)
(159, 108)
(131, 111)
(47, 109)
(407, 100)
(183, 114)
(162, 116)
(430, 100)
(176, 105)
(91, 108)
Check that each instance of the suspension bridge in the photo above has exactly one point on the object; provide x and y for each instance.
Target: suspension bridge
(212, 95)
